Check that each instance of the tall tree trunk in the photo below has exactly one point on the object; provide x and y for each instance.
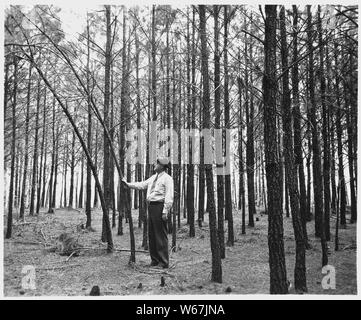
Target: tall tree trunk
(80, 203)
(56, 165)
(337, 215)
(316, 163)
(297, 127)
(112, 132)
(190, 115)
(96, 150)
(72, 169)
(139, 165)
(216, 257)
(176, 166)
(89, 137)
(201, 177)
(351, 113)
(43, 192)
(191, 183)
(53, 155)
(148, 165)
(18, 170)
(227, 178)
(65, 173)
(42, 158)
(106, 119)
(332, 130)
(242, 196)
(250, 143)
(13, 144)
(278, 276)
(339, 133)
(325, 132)
(217, 125)
(123, 116)
(126, 124)
(35, 155)
(290, 167)
(26, 148)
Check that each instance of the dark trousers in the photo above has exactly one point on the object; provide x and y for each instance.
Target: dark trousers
(158, 238)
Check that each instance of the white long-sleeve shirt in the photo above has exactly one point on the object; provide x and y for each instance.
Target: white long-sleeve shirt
(163, 189)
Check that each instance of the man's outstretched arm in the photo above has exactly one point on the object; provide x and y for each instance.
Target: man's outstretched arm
(141, 185)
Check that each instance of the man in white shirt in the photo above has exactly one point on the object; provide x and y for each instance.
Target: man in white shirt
(160, 193)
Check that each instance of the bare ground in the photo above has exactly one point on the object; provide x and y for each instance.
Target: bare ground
(245, 268)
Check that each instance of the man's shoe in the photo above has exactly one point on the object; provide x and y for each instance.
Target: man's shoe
(153, 264)
(165, 266)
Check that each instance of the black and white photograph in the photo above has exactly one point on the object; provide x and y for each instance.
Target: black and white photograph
(179, 150)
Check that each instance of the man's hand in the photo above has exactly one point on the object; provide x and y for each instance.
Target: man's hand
(125, 182)
(164, 216)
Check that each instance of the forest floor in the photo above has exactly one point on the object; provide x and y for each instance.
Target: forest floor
(245, 268)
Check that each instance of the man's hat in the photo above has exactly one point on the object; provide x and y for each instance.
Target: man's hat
(164, 161)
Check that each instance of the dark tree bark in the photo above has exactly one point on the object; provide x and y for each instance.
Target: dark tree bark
(112, 132)
(201, 173)
(242, 196)
(278, 276)
(337, 216)
(18, 170)
(194, 106)
(153, 65)
(72, 169)
(351, 113)
(106, 119)
(13, 151)
(148, 165)
(332, 130)
(290, 167)
(80, 203)
(56, 165)
(316, 163)
(26, 148)
(353, 87)
(43, 193)
(217, 125)
(7, 82)
(179, 168)
(53, 156)
(42, 156)
(227, 178)
(191, 183)
(89, 138)
(125, 118)
(297, 127)
(139, 166)
(65, 173)
(325, 132)
(35, 154)
(250, 142)
(216, 257)
(96, 150)
(176, 169)
(190, 117)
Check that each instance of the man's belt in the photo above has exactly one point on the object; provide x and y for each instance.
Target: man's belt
(156, 202)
